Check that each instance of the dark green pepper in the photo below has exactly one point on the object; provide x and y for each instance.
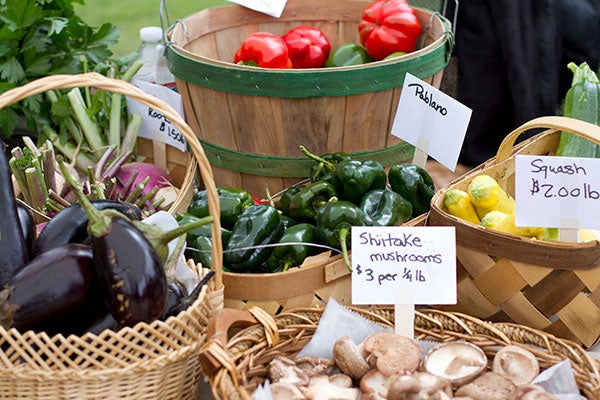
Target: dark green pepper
(324, 165)
(384, 207)
(353, 179)
(334, 223)
(414, 184)
(284, 257)
(305, 203)
(232, 202)
(199, 240)
(257, 226)
(283, 204)
(348, 54)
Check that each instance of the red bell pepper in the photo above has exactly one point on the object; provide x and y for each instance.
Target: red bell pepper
(308, 47)
(263, 49)
(389, 26)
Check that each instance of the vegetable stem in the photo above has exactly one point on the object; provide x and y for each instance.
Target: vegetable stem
(89, 128)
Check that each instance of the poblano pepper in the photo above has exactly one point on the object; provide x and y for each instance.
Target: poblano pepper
(348, 54)
(324, 165)
(283, 204)
(353, 179)
(257, 226)
(232, 202)
(284, 257)
(414, 184)
(384, 207)
(334, 223)
(305, 203)
(199, 240)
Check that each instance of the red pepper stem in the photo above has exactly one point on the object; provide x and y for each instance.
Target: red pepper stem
(330, 166)
(343, 234)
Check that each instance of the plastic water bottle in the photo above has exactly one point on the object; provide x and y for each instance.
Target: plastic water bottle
(152, 54)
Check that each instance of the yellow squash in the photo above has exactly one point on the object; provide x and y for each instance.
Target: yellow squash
(504, 222)
(486, 195)
(457, 203)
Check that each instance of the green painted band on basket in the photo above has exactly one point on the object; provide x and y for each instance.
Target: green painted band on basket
(317, 82)
(293, 167)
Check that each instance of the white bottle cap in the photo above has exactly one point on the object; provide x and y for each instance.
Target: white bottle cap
(151, 34)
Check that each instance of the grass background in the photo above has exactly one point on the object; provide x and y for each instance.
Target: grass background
(131, 15)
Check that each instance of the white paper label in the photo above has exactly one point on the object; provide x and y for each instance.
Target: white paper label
(273, 8)
(403, 265)
(557, 192)
(431, 121)
(155, 125)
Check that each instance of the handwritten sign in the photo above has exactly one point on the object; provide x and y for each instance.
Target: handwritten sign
(155, 125)
(431, 121)
(567, 189)
(273, 8)
(403, 265)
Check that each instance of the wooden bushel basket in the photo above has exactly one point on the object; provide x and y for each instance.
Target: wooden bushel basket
(236, 365)
(549, 285)
(157, 360)
(252, 120)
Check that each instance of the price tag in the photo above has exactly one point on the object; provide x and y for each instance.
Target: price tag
(403, 265)
(431, 121)
(567, 189)
(156, 126)
(273, 8)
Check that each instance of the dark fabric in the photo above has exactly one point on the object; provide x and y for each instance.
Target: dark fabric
(512, 58)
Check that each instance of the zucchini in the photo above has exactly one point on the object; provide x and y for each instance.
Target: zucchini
(457, 203)
(581, 102)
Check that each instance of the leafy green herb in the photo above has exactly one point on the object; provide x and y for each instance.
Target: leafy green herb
(46, 37)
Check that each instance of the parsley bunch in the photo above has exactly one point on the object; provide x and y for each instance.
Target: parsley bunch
(46, 37)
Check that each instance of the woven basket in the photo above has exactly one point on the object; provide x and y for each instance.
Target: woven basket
(553, 286)
(236, 366)
(252, 120)
(318, 279)
(148, 361)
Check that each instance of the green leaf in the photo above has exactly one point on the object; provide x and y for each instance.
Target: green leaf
(19, 14)
(57, 24)
(9, 120)
(11, 70)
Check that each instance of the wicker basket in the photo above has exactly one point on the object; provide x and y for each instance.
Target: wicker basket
(236, 366)
(148, 361)
(318, 279)
(549, 285)
(252, 120)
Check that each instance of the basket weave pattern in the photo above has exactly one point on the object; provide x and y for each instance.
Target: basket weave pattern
(548, 285)
(248, 352)
(148, 361)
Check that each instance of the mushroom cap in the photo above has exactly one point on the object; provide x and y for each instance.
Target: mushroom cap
(517, 364)
(532, 392)
(420, 385)
(286, 391)
(459, 362)
(391, 353)
(374, 384)
(283, 369)
(348, 358)
(322, 387)
(488, 385)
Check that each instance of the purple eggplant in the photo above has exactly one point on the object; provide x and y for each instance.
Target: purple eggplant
(13, 253)
(129, 271)
(179, 299)
(27, 222)
(70, 224)
(55, 292)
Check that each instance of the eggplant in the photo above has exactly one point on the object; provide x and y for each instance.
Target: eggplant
(105, 321)
(28, 228)
(129, 271)
(55, 292)
(179, 299)
(13, 253)
(70, 224)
